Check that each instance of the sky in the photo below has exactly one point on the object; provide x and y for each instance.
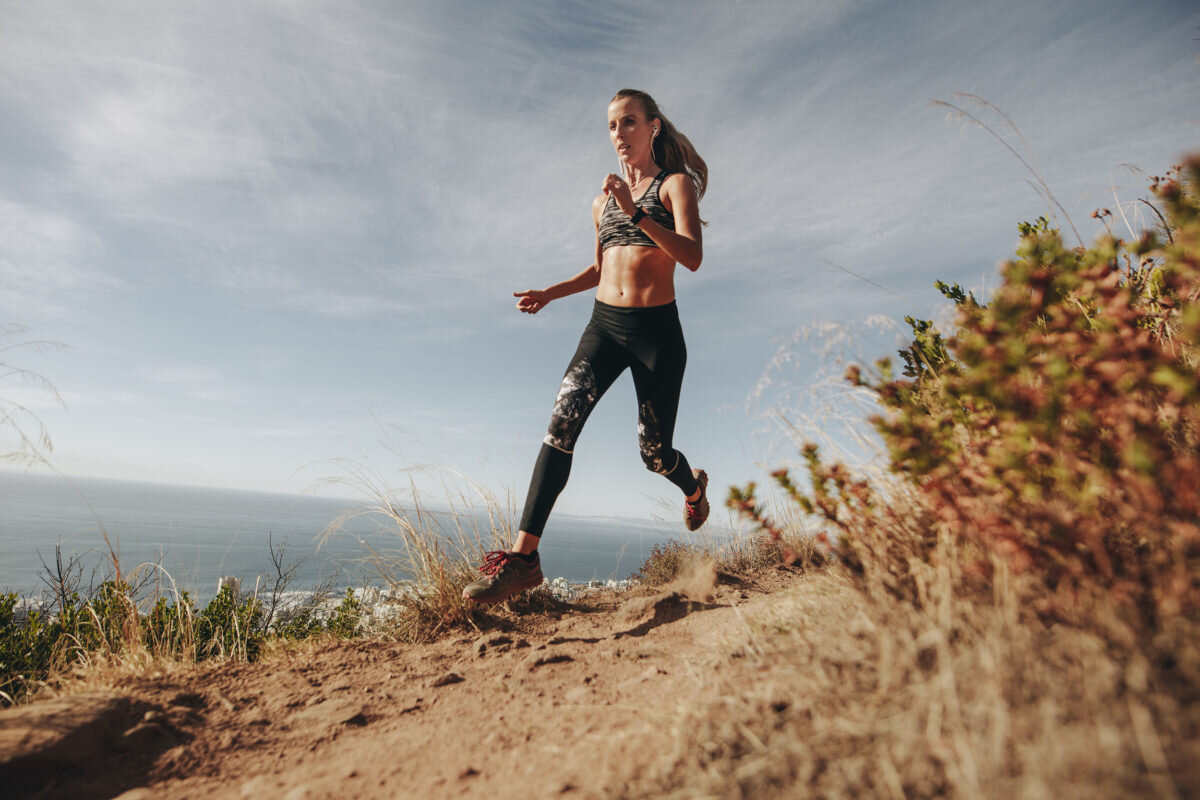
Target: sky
(278, 238)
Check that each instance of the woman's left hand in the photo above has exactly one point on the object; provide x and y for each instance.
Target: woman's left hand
(531, 300)
(618, 188)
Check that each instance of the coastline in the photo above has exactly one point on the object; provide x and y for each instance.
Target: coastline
(199, 535)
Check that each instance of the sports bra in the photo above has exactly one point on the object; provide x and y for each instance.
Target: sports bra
(615, 227)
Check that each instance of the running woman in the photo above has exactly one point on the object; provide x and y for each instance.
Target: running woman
(647, 221)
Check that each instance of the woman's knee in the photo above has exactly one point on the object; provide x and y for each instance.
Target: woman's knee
(653, 458)
(656, 451)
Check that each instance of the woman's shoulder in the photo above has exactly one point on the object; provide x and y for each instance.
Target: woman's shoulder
(678, 182)
(598, 205)
(677, 186)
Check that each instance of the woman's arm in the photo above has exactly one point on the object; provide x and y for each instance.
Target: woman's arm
(534, 300)
(684, 244)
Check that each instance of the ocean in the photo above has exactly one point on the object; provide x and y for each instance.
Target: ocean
(198, 535)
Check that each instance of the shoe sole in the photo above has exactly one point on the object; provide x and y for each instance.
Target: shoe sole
(702, 479)
(532, 582)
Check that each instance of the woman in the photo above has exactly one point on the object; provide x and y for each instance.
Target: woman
(647, 221)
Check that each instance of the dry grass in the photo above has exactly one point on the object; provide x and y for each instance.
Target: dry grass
(743, 554)
(436, 552)
(932, 663)
(855, 695)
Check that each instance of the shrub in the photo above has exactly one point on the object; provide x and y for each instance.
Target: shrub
(168, 629)
(35, 643)
(229, 628)
(664, 563)
(1056, 427)
(347, 619)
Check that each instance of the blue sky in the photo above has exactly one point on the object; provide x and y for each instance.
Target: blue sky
(272, 233)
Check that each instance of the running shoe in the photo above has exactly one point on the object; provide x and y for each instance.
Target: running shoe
(695, 514)
(504, 575)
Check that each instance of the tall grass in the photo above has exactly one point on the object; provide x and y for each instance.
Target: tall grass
(33, 443)
(436, 549)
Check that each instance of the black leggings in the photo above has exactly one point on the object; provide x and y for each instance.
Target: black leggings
(647, 341)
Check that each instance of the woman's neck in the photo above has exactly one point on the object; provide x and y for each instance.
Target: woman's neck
(635, 173)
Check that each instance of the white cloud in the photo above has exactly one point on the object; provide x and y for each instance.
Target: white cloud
(185, 375)
(333, 304)
(80, 400)
(196, 382)
(277, 432)
(44, 256)
(301, 181)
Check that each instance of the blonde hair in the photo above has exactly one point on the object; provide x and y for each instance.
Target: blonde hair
(673, 151)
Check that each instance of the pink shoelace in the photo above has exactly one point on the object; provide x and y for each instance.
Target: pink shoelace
(494, 561)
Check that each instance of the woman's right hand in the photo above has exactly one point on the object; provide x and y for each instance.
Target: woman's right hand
(618, 187)
(531, 301)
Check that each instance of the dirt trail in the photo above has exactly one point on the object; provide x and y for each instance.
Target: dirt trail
(576, 701)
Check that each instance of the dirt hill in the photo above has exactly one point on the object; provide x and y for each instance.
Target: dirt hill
(578, 700)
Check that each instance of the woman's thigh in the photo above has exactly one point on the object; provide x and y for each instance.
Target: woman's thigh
(658, 381)
(597, 363)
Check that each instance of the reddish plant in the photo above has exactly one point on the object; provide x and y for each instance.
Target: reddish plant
(1057, 426)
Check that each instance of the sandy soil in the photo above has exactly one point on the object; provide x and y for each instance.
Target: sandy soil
(577, 700)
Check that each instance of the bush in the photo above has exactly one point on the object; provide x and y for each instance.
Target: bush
(664, 563)
(229, 628)
(35, 643)
(347, 619)
(1056, 427)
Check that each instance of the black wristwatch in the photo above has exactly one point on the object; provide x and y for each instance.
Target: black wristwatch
(637, 217)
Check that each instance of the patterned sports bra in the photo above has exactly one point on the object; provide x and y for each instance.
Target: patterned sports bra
(615, 227)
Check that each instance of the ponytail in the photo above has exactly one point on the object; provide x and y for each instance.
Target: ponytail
(673, 151)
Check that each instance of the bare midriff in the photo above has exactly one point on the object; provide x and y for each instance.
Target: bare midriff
(635, 277)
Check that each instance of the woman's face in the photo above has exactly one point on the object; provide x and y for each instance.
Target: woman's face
(631, 133)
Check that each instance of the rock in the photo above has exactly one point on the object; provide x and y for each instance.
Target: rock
(498, 642)
(447, 679)
(535, 661)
